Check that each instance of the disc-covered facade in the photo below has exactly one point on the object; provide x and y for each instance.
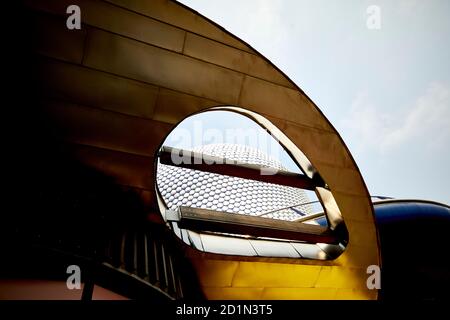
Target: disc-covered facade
(191, 188)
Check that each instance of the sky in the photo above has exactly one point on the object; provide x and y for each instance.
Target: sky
(218, 127)
(381, 76)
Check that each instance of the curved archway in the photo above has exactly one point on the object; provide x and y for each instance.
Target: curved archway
(184, 185)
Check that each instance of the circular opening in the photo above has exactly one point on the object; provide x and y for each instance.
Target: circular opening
(208, 162)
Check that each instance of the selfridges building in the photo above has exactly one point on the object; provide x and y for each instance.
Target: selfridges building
(199, 189)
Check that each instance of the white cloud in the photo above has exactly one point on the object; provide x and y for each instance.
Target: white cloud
(260, 23)
(365, 123)
(427, 122)
(429, 119)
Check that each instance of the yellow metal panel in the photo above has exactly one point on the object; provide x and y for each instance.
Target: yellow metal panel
(255, 274)
(359, 256)
(161, 67)
(218, 53)
(280, 102)
(342, 179)
(318, 144)
(215, 273)
(299, 293)
(175, 14)
(361, 206)
(363, 233)
(105, 91)
(233, 293)
(356, 294)
(341, 277)
(53, 39)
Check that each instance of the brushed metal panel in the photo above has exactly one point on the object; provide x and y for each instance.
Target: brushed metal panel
(173, 105)
(368, 237)
(126, 169)
(360, 203)
(230, 293)
(127, 23)
(215, 273)
(118, 20)
(334, 216)
(52, 38)
(96, 89)
(223, 55)
(355, 294)
(175, 14)
(123, 56)
(280, 102)
(299, 293)
(265, 274)
(342, 277)
(106, 129)
(357, 256)
(318, 144)
(347, 180)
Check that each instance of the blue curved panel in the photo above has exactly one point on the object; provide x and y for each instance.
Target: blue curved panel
(414, 249)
